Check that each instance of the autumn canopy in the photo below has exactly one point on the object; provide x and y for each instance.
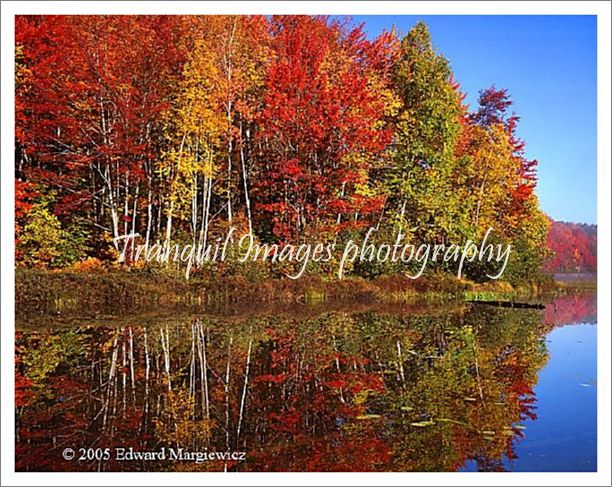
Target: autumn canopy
(293, 128)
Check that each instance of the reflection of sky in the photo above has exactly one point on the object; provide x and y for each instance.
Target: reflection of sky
(564, 437)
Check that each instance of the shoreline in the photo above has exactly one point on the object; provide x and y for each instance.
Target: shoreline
(63, 293)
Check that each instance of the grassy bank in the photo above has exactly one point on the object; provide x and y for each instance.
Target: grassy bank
(122, 291)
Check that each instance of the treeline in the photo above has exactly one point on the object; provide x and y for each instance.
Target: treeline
(573, 247)
(295, 128)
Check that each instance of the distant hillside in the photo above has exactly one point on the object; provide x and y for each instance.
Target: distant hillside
(574, 247)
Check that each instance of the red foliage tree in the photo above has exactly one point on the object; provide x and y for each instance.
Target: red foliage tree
(574, 247)
(319, 125)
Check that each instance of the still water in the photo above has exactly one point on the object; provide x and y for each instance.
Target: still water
(359, 388)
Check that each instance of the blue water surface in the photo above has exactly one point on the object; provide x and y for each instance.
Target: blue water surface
(563, 438)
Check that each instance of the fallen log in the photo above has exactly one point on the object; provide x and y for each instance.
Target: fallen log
(509, 304)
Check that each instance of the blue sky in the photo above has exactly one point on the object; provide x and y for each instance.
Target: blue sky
(549, 66)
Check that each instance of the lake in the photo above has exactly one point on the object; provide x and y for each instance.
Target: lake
(342, 387)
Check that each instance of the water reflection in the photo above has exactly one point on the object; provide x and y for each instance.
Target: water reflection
(337, 391)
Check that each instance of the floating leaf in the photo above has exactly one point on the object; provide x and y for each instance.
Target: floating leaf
(422, 424)
(368, 416)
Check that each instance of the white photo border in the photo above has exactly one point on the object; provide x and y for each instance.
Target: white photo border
(7, 326)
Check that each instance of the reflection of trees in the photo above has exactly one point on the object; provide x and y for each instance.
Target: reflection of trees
(366, 391)
(572, 309)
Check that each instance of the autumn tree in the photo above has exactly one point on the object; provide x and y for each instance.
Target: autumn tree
(94, 87)
(209, 129)
(319, 129)
(502, 182)
(493, 114)
(426, 174)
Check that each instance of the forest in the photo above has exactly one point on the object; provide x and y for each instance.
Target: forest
(573, 248)
(292, 128)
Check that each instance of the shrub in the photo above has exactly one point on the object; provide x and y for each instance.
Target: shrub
(44, 243)
(88, 265)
